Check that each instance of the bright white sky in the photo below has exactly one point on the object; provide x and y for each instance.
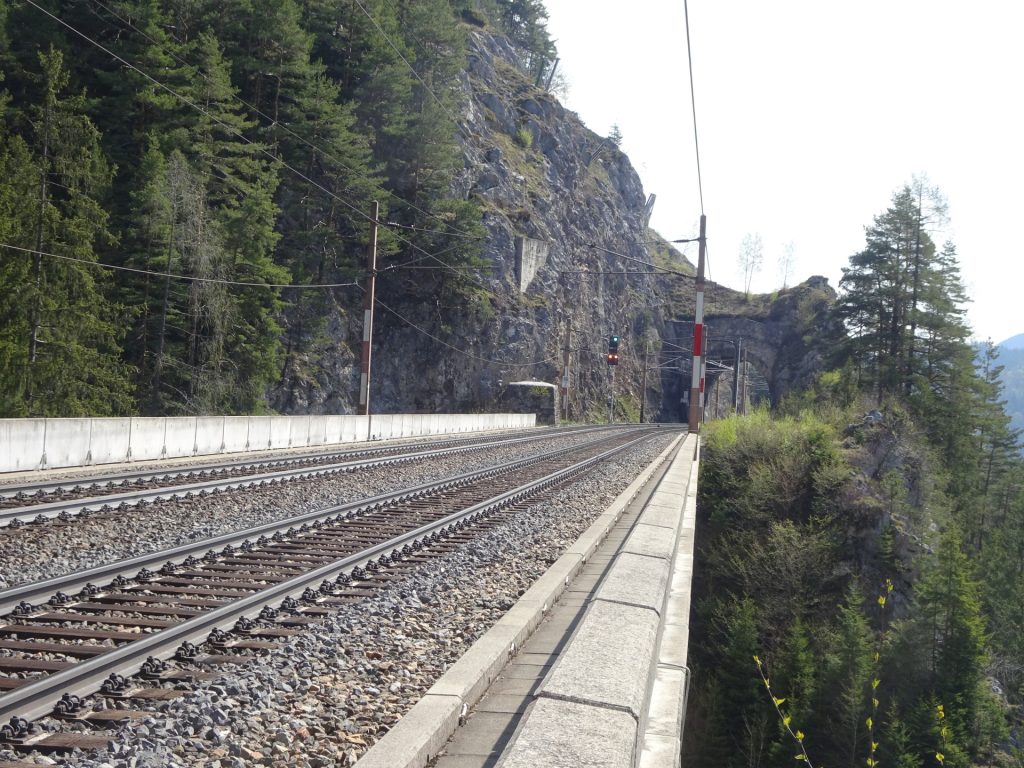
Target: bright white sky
(811, 114)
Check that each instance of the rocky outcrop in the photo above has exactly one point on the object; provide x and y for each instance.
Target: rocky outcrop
(567, 237)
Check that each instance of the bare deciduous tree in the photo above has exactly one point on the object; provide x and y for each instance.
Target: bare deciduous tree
(786, 261)
(751, 258)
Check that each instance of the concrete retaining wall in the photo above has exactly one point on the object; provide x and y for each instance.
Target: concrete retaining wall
(31, 444)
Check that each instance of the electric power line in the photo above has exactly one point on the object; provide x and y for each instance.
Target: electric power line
(189, 278)
(446, 268)
(414, 228)
(693, 103)
(442, 342)
(230, 129)
(286, 129)
(412, 69)
(639, 261)
(602, 272)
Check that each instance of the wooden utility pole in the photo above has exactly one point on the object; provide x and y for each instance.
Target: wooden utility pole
(368, 300)
(697, 378)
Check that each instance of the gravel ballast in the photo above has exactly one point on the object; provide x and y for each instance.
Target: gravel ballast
(333, 691)
(36, 552)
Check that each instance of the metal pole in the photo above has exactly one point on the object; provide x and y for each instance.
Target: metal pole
(697, 378)
(643, 382)
(718, 379)
(743, 385)
(736, 378)
(368, 300)
(611, 392)
(565, 371)
(718, 387)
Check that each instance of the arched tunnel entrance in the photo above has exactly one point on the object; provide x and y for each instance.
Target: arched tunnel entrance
(741, 356)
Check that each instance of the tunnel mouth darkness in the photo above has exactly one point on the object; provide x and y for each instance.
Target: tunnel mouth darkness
(758, 344)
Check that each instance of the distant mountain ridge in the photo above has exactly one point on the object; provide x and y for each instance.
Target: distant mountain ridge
(1014, 342)
(1011, 357)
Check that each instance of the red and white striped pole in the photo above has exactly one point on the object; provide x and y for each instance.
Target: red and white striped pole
(697, 379)
(368, 299)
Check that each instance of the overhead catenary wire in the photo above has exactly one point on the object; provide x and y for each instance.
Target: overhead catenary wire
(597, 272)
(414, 228)
(290, 132)
(173, 276)
(233, 131)
(438, 269)
(652, 265)
(693, 103)
(412, 69)
(459, 350)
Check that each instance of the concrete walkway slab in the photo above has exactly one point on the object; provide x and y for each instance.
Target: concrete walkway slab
(560, 734)
(603, 665)
(636, 580)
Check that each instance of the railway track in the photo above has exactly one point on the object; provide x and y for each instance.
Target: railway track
(66, 498)
(65, 638)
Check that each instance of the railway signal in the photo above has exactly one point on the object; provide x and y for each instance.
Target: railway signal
(613, 350)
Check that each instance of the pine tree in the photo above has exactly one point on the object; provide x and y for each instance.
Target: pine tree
(233, 335)
(896, 747)
(903, 309)
(323, 196)
(952, 631)
(19, 180)
(149, 246)
(1002, 577)
(62, 338)
(525, 23)
(744, 716)
(848, 681)
(794, 678)
(131, 109)
(998, 444)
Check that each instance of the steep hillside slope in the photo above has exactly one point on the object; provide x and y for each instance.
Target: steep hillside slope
(570, 255)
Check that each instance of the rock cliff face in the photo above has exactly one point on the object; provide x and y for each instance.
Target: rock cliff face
(567, 240)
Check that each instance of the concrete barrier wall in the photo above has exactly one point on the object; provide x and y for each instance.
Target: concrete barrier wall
(179, 437)
(31, 444)
(147, 438)
(22, 443)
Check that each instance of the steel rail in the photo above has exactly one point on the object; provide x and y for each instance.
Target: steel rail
(40, 591)
(273, 459)
(132, 498)
(37, 699)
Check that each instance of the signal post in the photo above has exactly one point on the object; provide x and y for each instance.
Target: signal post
(613, 360)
